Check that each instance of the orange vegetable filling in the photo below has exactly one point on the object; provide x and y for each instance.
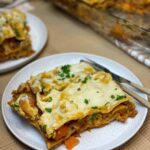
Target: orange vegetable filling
(71, 142)
(62, 132)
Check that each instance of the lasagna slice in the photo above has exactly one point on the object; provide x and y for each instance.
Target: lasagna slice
(70, 99)
(15, 40)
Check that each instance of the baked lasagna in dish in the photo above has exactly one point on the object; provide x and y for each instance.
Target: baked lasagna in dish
(15, 40)
(132, 6)
(70, 99)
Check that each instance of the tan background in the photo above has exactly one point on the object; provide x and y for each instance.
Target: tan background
(69, 35)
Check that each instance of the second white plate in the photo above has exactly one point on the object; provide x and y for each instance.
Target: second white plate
(39, 35)
(108, 137)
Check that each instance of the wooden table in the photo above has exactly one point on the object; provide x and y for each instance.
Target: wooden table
(69, 35)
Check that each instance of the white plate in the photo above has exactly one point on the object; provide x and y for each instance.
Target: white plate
(108, 137)
(39, 35)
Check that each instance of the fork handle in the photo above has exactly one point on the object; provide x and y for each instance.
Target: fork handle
(142, 89)
(137, 97)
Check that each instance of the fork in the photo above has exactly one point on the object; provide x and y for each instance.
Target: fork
(120, 80)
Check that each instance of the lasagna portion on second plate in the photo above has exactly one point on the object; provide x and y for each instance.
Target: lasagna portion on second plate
(70, 99)
(15, 40)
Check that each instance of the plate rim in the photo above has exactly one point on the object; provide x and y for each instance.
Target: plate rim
(63, 54)
(29, 59)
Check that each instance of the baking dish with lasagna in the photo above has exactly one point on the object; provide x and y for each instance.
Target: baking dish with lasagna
(70, 99)
(133, 6)
(15, 41)
(124, 23)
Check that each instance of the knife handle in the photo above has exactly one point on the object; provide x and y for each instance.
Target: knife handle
(137, 97)
(140, 88)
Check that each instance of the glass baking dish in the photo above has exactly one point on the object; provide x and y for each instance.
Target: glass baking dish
(128, 31)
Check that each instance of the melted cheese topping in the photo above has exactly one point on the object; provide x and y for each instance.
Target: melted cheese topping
(73, 92)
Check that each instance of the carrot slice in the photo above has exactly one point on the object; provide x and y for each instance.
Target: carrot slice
(62, 132)
(71, 142)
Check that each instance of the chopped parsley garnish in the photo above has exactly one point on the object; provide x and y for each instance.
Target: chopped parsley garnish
(79, 80)
(17, 33)
(93, 117)
(42, 87)
(72, 75)
(79, 89)
(86, 79)
(65, 69)
(94, 107)
(49, 110)
(112, 96)
(86, 101)
(44, 128)
(97, 92)
(119, 97)
(67, 75)
(115, 88)
(107, 103)
(16, 107)
(50, 99)
(65, 72)
(62, 75)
